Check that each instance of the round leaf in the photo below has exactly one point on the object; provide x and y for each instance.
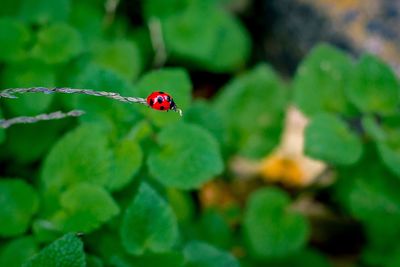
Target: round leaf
(219, 43)
(149, 223)
(189, 157)
(120, 56)
(19, 203)
(82, 155)
(87, 207)
(57, 43)
(329, 139)
(199, 254)
(271, 229)
(253, 107)
(374, 87)
(319, 85)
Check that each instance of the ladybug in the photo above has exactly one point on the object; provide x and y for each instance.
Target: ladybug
(161, 101)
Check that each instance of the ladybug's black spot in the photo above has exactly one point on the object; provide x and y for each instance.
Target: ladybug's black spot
(162, 108)
(161, 92)
(159, 99)
(151, 102)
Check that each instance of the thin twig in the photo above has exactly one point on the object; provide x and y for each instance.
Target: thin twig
(41, 117)
(9, 93)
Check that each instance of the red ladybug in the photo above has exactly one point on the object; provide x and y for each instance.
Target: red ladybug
(161, 101)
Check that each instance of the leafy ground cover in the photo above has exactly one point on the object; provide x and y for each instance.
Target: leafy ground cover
(125, 185)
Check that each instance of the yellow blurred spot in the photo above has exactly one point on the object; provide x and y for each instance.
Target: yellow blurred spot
(277, 168)
(288, 164)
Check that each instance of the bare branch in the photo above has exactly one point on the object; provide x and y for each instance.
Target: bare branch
(41, 117)
(9, 93)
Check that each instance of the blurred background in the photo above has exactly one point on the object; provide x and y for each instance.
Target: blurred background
(288, 153)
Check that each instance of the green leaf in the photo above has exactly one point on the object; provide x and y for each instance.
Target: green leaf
(253, 107)
(82, 155)
(320, 81)
(38, 137)
(372, 128)
(374, 87)
(182, 204)
(390, 156)
(270, 228)
(121, 56)
(214, 229)
(44, 11)
(329, 139)
(28, 74)
(66, 251)
(149, 223)
(199, 254)
(219, 43)
(19, 203)
(127, 159)
(88, 20)
(101, 109)
(14, 37)
(86, 207)
(369, 192)
(173, 81)
(57, 43)
(189, 157)
(205, 115)
(17, 251)
(162, 9)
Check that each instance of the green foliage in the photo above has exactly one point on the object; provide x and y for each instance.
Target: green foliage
(14, 37)
(66, 251)
(19, 202)
(17, 251)
(183, 163)
(90, 162)
(198, 254)
(259, 95)
(57, 44)
(218, 43)
(271, 229)
(44, 11)
(374, 87)
(25, 74)
(321, 80)
(139, 182)
(127, 157)
(86, 207)
(328, 138)
(148, 224)
(120, 56)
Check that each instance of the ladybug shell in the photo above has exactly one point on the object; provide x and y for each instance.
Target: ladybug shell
(160, 101)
